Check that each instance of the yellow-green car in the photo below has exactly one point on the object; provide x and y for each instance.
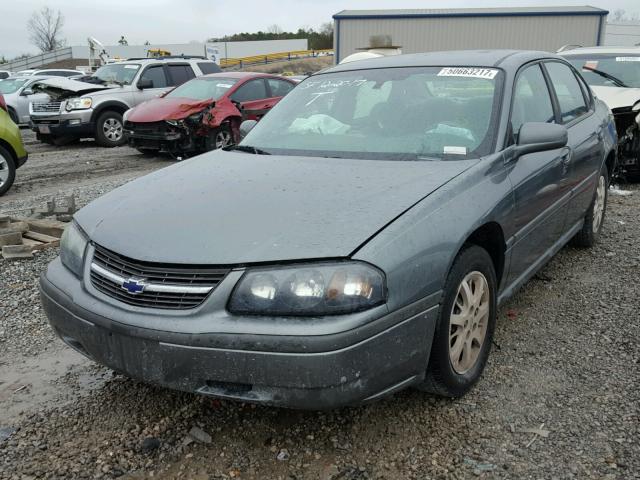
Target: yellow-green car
(12, 152)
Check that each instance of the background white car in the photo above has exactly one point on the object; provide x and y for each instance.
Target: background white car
(613, 73)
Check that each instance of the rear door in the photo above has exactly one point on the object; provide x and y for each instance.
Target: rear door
(576, 107)
(253, 99)
(539, 179)
(277, 89)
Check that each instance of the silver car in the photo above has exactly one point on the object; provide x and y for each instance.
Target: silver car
(18, 94)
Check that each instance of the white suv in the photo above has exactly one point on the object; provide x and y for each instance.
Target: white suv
(613, 73)
(93, 107)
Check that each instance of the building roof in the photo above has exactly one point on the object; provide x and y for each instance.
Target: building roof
(471, 12)
(506, 59)
(609, 49)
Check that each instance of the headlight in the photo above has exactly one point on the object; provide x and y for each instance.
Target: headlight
(81, 103)
(72, 246)
(309, 290)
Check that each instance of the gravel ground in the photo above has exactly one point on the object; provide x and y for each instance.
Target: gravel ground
(559, 397)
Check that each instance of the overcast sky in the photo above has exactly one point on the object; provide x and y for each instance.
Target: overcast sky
(181, 21)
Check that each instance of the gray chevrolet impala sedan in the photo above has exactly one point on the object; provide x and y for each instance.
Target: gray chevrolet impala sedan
(358, 241)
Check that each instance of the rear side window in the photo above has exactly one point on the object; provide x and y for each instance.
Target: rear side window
(252, 90)
(568, 91)
(180, 74)
(208, 67)
(156, 75)
(531, 100)
(279, 88)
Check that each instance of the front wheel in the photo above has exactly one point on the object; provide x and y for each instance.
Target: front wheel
(7, 171)
(466, 322)
(222, 137)
(589, 234)
(109, 130)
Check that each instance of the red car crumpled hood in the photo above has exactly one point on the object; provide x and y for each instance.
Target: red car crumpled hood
(159, 109)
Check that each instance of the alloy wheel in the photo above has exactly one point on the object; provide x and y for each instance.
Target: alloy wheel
(223, 139)
(468, 322)
(4, 170)
(112, 129)
(598, 206)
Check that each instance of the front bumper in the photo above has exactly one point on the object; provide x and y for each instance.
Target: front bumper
(301, 371)
(77, 123)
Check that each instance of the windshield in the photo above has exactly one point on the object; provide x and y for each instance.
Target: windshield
(395, 114)
(120, 73)
(599, 69)
(12, 85)
(203, 88)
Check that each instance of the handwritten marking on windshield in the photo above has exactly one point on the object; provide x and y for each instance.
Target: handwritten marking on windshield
(318, 95)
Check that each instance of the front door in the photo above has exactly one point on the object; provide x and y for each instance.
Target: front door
(160, 83)
(585, 137)
(253, 99)
(539, 180)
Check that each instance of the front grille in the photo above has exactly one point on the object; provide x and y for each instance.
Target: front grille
(182, 280)
(46, 107)
(147, 128)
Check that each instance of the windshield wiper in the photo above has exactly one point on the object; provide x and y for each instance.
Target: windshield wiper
(606, 75)
(249, 149)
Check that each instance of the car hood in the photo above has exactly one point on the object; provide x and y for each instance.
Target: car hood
(617, 97)
(225, 208)
(158, 109)
(61, 88)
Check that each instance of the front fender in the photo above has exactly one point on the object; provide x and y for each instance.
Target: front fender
(417, 250)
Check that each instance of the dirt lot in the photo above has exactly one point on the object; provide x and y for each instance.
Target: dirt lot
(560, 397)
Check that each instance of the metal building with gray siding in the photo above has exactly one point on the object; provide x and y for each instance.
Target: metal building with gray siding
(417, 30)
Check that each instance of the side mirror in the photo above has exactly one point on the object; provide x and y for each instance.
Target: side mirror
(26, 92)
(246, 127)
(145, 83)
(540, 137)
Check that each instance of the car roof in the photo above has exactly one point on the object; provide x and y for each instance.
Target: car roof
(506, 59)
(600, 50)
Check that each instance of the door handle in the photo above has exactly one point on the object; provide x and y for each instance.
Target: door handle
(565, 155)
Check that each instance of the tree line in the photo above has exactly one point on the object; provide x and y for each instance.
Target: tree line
(318, 39)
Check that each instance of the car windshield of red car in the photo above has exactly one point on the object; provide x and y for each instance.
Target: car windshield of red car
(203, 88)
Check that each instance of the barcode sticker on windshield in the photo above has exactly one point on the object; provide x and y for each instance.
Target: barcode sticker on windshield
(449, 150)
(627, 59)
(488, 73)
(134, 67)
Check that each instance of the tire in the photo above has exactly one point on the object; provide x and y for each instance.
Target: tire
(110, 130)
(222, 137)
(48, 139)
(589, 234)
(7, 170)
(460, 349)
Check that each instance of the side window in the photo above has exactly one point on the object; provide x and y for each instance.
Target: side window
(180, 74)
(156, 75)
(568, 91)
(531, 99)
(208, 67)
(252, 90)
(279, 88)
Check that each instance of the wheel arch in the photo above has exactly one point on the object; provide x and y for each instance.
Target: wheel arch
(490, 237)
(115, 106)
(7, 146)
(610, 162)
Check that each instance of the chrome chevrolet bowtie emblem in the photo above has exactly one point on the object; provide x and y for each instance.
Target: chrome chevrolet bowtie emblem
(134, 285)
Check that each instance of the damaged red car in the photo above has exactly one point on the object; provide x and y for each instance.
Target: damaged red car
(204, 113)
